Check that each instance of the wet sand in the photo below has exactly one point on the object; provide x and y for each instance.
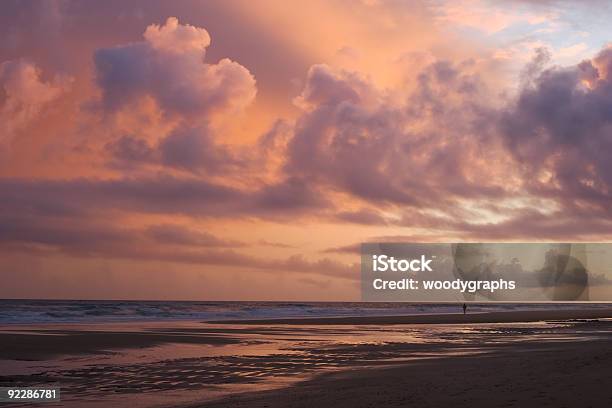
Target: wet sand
(275, 364)
(449, 318)
(574, 374)
(43, 344)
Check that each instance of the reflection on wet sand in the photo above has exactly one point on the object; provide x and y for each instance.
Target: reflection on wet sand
(177, 363)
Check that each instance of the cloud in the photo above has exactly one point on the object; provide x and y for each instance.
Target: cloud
(382, 147)
(362, 216)
(156, 195)
(132, 149)
(447, 159)
(194, 148)
(185, 148)
(441, 157)
(293, 194)
(24, 95)
(169, 67)
(175, 38)
(163, 242)
(163, 194)
(490, 18)
(170, 146)
(559, 131)
(170, 234)
(80, 218)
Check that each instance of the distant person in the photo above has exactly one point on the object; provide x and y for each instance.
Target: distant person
(464, 308)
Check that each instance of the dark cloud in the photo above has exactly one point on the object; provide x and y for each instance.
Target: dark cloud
(448, 144)
(415, 151)
(560, 131)
(132, 150)
(439, 146)
(165, 243)
(186, 148)
(162, 195)
(194, 148)
(293, 193)
(74, 234)
(168, 67)
(54, 231)
(338, 140)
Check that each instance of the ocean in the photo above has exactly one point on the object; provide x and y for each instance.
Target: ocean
(101, 311)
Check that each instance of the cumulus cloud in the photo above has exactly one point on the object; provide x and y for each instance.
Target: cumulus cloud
(560, 130)
(440, 157)
(185, 148)
(176, 38)
(447, 157)
(169, 67)
(436, 157)
(195, 148)
(24, 95)
(406, 150)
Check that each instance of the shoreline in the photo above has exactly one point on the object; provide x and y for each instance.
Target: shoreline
(526, 316)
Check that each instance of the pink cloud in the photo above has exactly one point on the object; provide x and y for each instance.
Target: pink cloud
(169, 67)
(25, 96)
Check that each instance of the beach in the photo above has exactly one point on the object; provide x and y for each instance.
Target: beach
(565, 374)
(512, 358)
(305, 204)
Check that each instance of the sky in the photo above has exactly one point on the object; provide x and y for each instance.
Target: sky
(239, 150)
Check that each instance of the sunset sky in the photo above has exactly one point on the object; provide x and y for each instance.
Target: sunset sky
(241, 150)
